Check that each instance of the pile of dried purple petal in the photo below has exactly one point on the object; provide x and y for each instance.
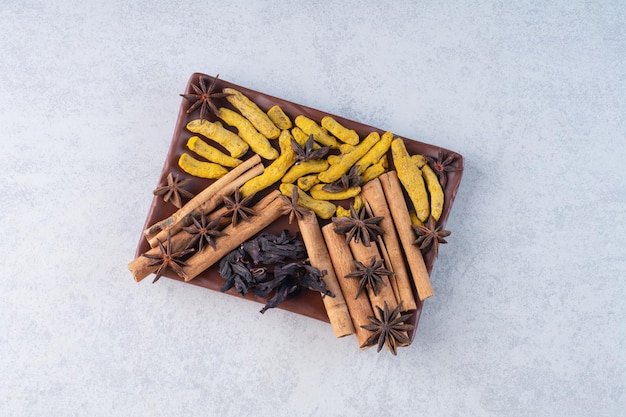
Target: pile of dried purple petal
(271, 263)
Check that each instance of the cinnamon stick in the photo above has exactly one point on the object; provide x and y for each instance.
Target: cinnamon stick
(341, 257)
(140, 268)
(401, 219)
(209, 198)
(374, 197)
(318, 255)
(208, 256)
(383, 293)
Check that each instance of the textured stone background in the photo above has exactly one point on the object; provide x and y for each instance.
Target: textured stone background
(528, 317)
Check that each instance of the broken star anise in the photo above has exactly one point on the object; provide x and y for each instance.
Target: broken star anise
(291, 207)
(306, 153)
(173, 190)
(429, 234)
(203, 97)
(237, 208)
(356, 226)
(168, 259)
(442, 165)
(349, 180)
(203, 232)
(389, 330)
(371, 275)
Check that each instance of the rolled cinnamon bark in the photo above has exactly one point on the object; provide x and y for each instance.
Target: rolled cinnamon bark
(209, 198)
(341, 257)
(336, 307)
(401, 219)
(384, 293)
(140, 268)
(208, 256)
(373, 195)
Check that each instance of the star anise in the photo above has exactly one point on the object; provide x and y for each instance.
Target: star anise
(203, 97)
(168, 259)
(389, 330)
(442, 165)
(203, 231)
(307, 153)
(358, 227)
(238, 208)
(351, 179)
(429, 234)
(371, 275)
(173, 190)
(291, 207)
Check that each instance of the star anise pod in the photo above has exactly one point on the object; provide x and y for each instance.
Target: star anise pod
(173, 190)
(429, 234)
(389, 330)
(168, 259)
(307, 153)
(238, 208)
(351, 179)
(291, 207)
(442, 165)
(203, 231)
(358, 227)
(371, 275)
(203, 97)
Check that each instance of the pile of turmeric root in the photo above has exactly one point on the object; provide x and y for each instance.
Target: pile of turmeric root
(343, 159)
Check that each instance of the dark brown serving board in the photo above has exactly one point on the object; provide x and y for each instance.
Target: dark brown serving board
(307, 303)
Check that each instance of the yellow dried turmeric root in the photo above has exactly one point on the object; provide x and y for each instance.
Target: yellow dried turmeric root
(346, 161)
(304, 168)
(376, 152)
(337, 130)
(411, 178)
(309, 127)
(252, 112)
(434, 190)
(201, 169)
(279, 118)
(373, 171)
(306, 182)
(323, 209)
(257, 142)
(419, 160)
(344, 212)
(274, 171)
(210, 153)
(216, 132)
(318, 193)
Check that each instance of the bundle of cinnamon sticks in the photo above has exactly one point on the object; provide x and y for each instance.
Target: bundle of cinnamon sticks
(329, 251)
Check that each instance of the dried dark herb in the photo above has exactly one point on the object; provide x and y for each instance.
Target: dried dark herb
(268, 248)
(349, 180)
(203, 232)
(389, 330)
(307, 153)
(442, 165)
(235, 271)
(371, 275)
(168, 259)
(271, 263)
(173, 190)
(358, 227)
(289, 279)
(291, 207)
(203, 97)
(430, 235)
(238, 208)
